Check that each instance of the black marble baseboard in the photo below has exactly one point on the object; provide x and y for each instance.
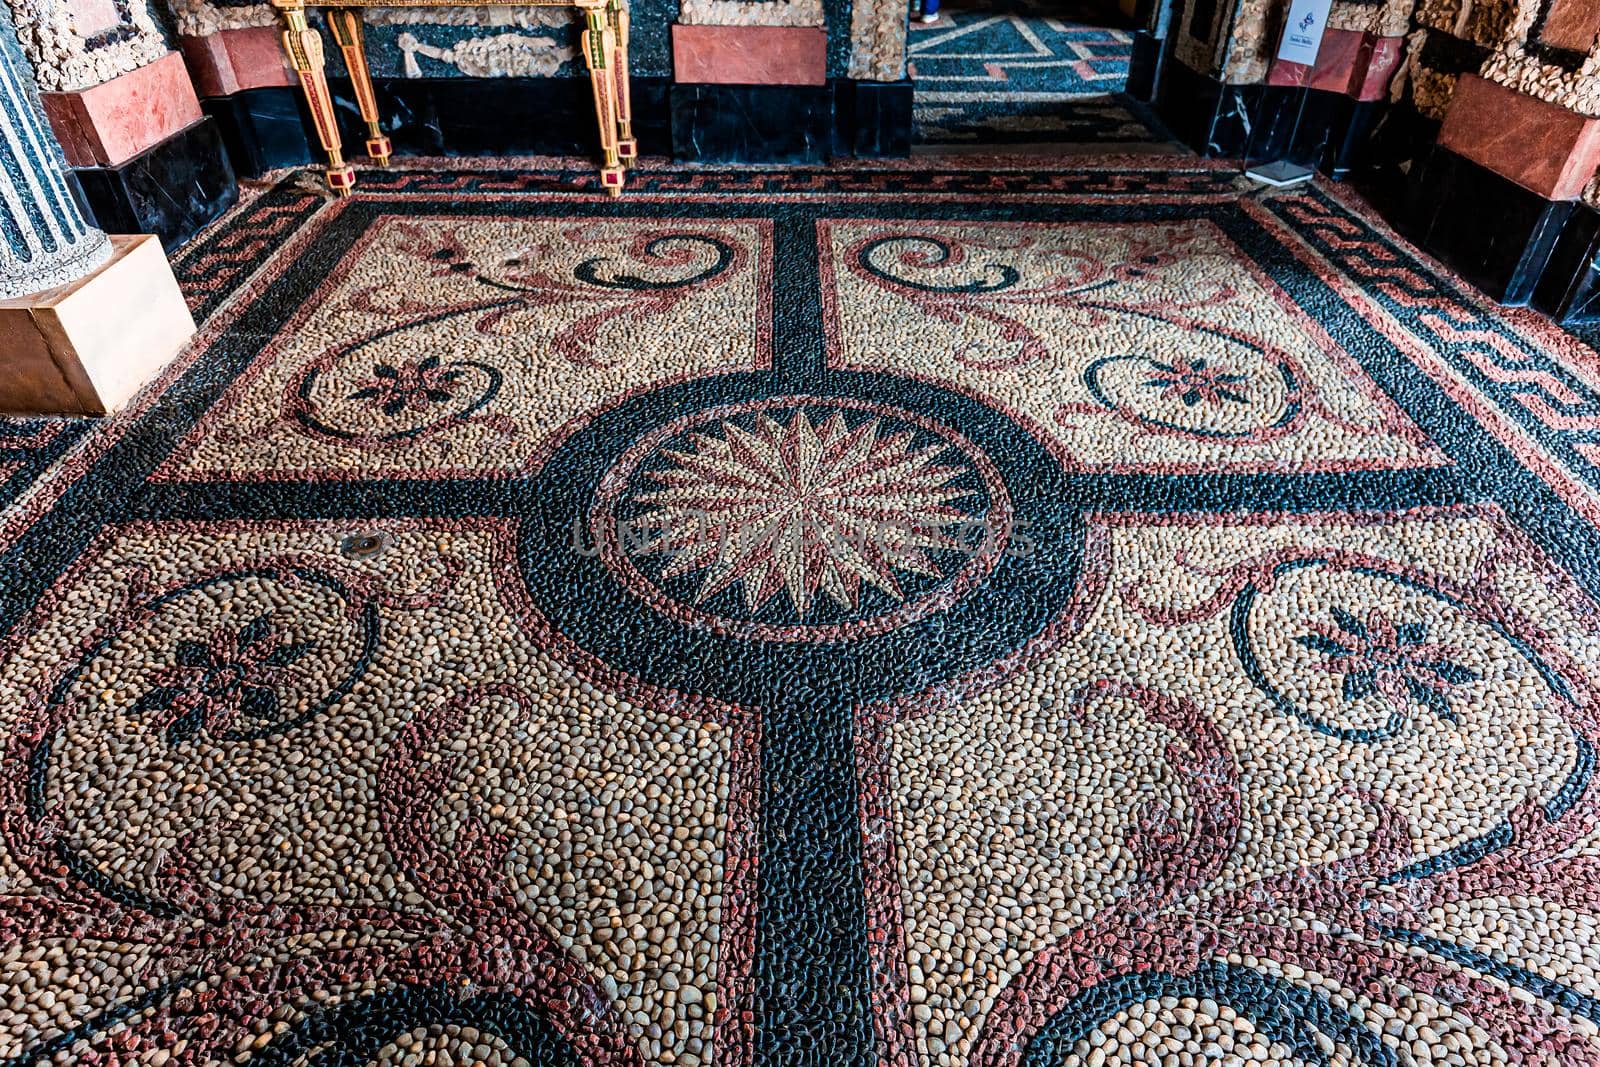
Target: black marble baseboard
(1569, 288)
(1144, 66)
(790, 123)
(872, 120)
(1511, 243)
(268, 128)
(171, 189)
(1494, 233)
(262, 129)
(499, 116)
(752, 123)
(1202, 112)
(1399, 141)
(1328, 131)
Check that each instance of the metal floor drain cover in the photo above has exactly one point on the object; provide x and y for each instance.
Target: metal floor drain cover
(364, 545)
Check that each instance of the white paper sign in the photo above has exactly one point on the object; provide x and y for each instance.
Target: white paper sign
(1302, 33)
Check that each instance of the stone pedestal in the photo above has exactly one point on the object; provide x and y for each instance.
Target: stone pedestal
(233, 61)
(1543, 147)
(85, 320)
(85, 348)
(1495, 197)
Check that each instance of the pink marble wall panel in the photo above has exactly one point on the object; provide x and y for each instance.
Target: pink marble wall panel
(232, 60)
(750, 55)
(108, 124)
(1541, 146)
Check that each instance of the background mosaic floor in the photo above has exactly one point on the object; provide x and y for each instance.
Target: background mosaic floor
(862, 617)
(1016, 72)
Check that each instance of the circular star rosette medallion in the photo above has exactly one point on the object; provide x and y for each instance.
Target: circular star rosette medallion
(802, 519)
(733, 539)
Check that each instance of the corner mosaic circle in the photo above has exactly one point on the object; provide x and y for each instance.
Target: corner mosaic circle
(802, 518)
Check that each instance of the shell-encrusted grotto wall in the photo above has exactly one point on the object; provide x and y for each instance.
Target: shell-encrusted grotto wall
(1533, 58)
(75, 44)
(751, 12)
(1452, 38)
(1544, 49)
(877, 40)
(446, 42)
(543, 42)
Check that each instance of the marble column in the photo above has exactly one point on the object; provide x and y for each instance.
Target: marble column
(44, 239)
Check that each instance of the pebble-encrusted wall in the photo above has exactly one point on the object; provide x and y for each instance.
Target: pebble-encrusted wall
(1391, 18)
(197, 18)
(522, 42)
(472, 41)
(75, 44)
(1451, 38)
(1521, 61)
(1250, 45)
(877, 39)
(1499, 40)
(1201, 28)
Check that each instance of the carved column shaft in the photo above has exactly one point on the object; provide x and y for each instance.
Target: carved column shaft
(44, 239)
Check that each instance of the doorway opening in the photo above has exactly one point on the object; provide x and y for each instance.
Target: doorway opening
(1024, 76)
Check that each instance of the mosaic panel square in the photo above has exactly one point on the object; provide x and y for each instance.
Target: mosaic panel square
(1154, 347)
(468, 346)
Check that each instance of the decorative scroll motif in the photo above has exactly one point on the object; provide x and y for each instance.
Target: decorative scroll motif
(956, 280)
(356, 395)
(1242, 750)
(651, 275)
(1155, 943)
(1278, 869)
(1247, 388)
(157, 794)
(510, 980)
(244, 676)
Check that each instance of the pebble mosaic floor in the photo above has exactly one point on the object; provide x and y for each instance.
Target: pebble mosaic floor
(865, 617)
(1015, 72)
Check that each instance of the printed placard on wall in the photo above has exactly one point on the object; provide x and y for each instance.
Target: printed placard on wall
(1302, 32)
